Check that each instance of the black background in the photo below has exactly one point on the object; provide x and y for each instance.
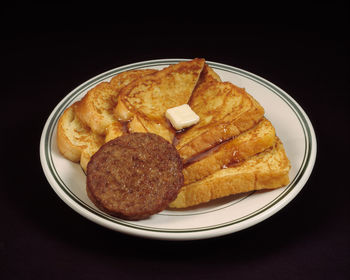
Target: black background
(42, 238)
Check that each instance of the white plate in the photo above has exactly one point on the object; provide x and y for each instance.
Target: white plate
(216, 218)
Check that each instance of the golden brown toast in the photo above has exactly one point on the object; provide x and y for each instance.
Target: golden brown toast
(225, 111)
(114, 130)
(253, 141)
(266, 170)
(145, 101)
(123, 79)
(95, 110)
(76, 141)
(90, 122)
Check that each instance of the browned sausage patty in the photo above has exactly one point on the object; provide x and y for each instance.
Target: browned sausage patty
(134, 176)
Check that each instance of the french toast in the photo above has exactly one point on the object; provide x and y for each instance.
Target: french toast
(76, 141)
(90, 122)
(95, 109)
(144, 102)
(233, 151)
(266, 170)
(225, 111)
(233, 148)
(124, 78)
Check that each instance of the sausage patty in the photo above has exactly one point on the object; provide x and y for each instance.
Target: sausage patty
(134, 176)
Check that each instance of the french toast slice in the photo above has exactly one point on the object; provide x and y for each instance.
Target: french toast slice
(144, 102)
(114, 130)
(95, 109)
(225, 111)
(266, 170)
(124, 78)
(87, 153)
(76, 141)
(251, 142)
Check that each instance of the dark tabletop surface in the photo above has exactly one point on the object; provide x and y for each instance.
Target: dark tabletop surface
(43, 238)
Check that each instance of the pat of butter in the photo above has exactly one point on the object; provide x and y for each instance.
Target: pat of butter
(182, 116)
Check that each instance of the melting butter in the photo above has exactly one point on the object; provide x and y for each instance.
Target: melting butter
(182, 116)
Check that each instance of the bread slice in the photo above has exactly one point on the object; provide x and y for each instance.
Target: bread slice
(87, 153)
(144, 102)
(95, 109)
(267, 170)
(253, 141)
(114, 130)
(75, 139)
(123, 79)
(225, 111)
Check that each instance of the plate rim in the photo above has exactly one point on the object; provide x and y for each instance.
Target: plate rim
(128, 227)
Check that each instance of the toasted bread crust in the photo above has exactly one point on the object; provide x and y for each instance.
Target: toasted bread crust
(209, 72)
(267, 170)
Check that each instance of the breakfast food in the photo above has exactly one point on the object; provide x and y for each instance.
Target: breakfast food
(95, 109)
(232, 148)
(76, 141)
(144, 102)
(224, 110)
(231, 152)
(134, 176)
(90, 122)
(266, 170)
